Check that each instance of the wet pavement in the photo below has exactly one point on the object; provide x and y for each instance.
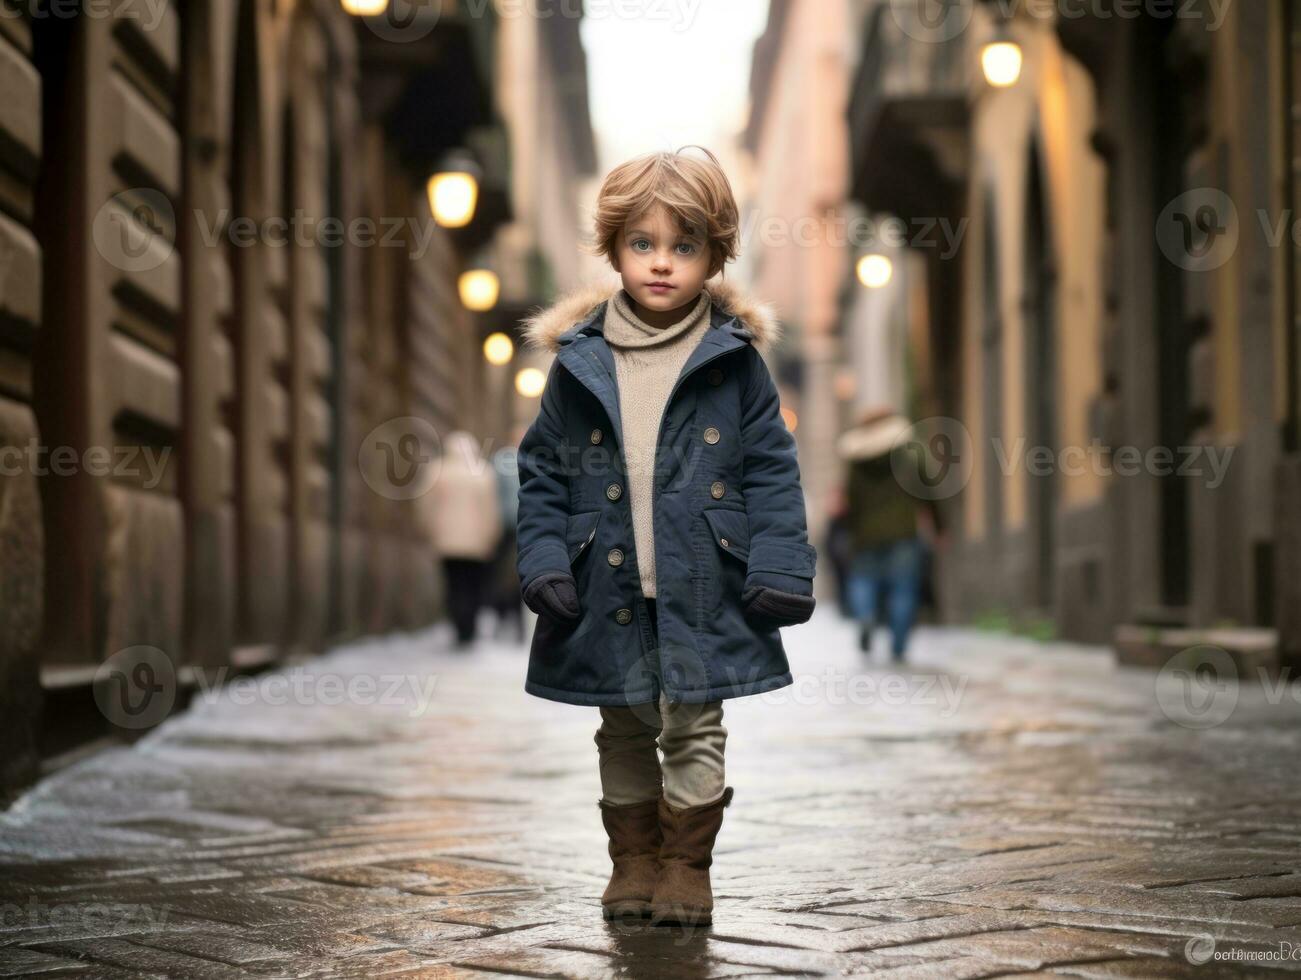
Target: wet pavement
(993, 808)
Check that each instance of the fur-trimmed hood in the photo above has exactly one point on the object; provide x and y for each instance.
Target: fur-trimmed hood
(542, 330)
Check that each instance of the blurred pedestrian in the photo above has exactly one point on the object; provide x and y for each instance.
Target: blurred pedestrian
(465, 523)
(838, 545)
(660, 500)
(505, 595)
(888, 549)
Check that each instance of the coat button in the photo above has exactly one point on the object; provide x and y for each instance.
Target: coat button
(715, 376)
(724, 542)
(716, 489)
(597, 436)
(615, 557)
(614, 491)
(711, 435)
(623, 617)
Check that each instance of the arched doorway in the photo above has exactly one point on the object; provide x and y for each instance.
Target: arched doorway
(1179, 323)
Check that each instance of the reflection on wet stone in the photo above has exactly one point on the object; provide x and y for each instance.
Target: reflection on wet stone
(1052, 817)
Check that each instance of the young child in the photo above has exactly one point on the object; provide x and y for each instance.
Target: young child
(662, 531)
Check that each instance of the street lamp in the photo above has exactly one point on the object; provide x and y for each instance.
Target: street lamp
(479, 289)
(1001, 62)
(364, 8)
(530, 382)
(454, 191)
(498, 348)
(875, 271)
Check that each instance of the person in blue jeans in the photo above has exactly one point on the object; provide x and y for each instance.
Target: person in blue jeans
(884, 521)
(895, 567)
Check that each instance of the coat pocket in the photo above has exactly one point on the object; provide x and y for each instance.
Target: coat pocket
(580, 532)
(722, 576)
(731, 531)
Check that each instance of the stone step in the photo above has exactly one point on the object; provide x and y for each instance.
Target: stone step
(1251, 648)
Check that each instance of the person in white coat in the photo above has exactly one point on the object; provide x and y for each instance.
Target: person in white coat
(465, 525)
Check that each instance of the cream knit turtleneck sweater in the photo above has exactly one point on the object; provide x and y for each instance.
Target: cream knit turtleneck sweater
(648, 361)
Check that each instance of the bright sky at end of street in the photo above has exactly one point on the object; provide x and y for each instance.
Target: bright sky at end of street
(664, 73)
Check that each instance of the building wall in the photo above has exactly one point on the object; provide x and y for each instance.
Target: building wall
(1239, 581)
(1038, 528)
(131, 321)
(798, 256)
(1113, 125)
(540, 252)
(22, 549)
(1191, 346)
(877, 337)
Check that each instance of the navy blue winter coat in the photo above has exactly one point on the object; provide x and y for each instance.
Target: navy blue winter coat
(728, 513)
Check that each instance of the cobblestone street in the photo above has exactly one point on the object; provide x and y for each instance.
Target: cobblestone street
(998, 809)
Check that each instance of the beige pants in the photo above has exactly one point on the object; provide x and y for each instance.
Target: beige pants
(692, 738)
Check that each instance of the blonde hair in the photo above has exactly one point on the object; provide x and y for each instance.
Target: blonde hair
(695, 192)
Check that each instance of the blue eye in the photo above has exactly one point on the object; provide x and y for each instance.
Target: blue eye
(640, 241)
(689, 248)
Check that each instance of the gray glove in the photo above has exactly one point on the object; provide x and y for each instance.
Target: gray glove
(554, 594)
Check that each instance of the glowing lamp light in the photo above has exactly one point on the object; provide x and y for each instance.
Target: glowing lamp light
(452, 197)
(364, 8)
(1001, 63)
(530, 382)
(875, 271)
(479, 289)
(498, 349)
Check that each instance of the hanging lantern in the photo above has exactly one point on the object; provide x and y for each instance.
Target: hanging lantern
(479, 289)
(875, 271)
(1001, 62)
(498, 348)
(453, 190)
(530, 382)
(364, 8)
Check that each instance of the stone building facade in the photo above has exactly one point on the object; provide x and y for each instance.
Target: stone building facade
(793, 207)
(218, 278)
(1121, 302)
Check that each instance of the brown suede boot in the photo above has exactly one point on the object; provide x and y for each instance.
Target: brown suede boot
(634, 832)
(683, 895)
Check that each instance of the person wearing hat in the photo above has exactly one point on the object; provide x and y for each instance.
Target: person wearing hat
(884, 527)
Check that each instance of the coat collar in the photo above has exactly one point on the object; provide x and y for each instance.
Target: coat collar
(580, 346)
(581, 311)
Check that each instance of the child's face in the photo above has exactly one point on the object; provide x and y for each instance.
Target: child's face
(653, 250)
